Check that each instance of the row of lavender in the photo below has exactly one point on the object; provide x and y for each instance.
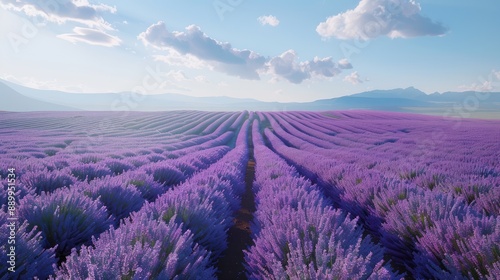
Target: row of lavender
(70, 197)
(179, 236)
(423, 150)
(298, 235)
(431, 224)
(152, 195)
(69, 157)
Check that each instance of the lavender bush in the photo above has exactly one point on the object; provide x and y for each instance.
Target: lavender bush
(418, 194)
(31, 259)
(45, 181)
(165, 174)
(65, 218)
(466, 244)
(145, 184)
(119, 198)
(89, 171)
(142, 249)
(194, 213)
(298, 235)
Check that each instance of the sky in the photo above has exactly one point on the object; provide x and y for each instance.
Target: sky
(267, 50)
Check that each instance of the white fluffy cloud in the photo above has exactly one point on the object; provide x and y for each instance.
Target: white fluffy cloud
(194, 49)
(80, 11)
(353, 78)
(91, 36)
(480, 87)
(374, 18)
(220, 56)
(496, 74)
(345, 64)
(485, 84)
(288, 67)
(75, 11)
(269, 20)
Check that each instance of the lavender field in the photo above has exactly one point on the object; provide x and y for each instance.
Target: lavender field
(248, 195)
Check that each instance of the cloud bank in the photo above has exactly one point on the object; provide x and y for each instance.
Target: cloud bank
(193, 48)
(288, 67)
(353, 78)
(484, 84)
(91, 36)
(192, 41)
(75, 11)
(375, 18)
(80, 11)
(268, 20)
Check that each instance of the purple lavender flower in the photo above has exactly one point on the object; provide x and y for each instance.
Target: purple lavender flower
(46, 181)
(468, 244)
(142, 249)
(119, 198)
(31, 260)
(164, 173)
(65, 218)
(89, 171)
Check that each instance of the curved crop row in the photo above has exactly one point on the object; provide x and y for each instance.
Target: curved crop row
(146, 195)
(381, 199)
(181, 233)
(298, 235)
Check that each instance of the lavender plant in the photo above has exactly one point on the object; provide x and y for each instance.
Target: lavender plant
(314, 243)
(89, 171)
(298, 235)
(117, 166)
(427, 191)
(467, 244)
(45, 181)
(119, 198)
(165, 174)
(66, 219)
(30, 258)
(145, 184)
(142, 249)
(195, 214)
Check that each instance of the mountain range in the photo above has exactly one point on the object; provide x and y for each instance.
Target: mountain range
(19, 98)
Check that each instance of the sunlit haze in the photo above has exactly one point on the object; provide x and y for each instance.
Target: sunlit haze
(270, 51)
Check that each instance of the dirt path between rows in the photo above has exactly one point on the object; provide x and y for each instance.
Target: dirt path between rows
(230, 266)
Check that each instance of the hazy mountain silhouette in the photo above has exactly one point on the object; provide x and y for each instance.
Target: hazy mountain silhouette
(19, 98)
(11, 100)
(407, 93)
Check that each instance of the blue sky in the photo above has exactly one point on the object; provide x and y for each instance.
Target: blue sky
(268, 50)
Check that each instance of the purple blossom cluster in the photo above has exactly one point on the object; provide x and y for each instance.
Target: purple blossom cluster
(338, 195)
(31, 259)
(204, 204)
(120, 198)
(65, 218)
(408, 191)
(466, 245)
(178, 236)
(45, 181)
(144, 183)
(142, 249)
(298, 235)
(75, 191)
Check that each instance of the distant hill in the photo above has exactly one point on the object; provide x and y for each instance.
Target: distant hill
(407, 93)
(19, 98)
(128, 101)
(11, 100)
(474, 104)
(360, 102)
